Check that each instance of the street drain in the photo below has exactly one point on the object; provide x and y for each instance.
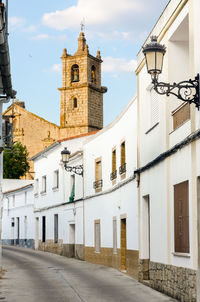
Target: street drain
(2, 298)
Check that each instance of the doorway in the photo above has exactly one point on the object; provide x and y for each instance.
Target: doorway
(72, 231)
(36, 233)
(17, 240)
(43, 228)
(123, 244)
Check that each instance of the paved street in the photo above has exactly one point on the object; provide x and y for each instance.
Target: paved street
(37, 276)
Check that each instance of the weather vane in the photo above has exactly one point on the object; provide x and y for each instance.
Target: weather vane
(83, 25)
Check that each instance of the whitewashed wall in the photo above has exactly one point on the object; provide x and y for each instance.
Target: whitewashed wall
(181, 62)
(114, 200)
(56, 201)
(19, 203)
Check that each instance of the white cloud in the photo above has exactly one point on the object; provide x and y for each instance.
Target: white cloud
(30, 28)
(95, 12)
(116, 65)
(15, 23)
(41, 37)
(56, 68)
(109, 19)
(49, 37)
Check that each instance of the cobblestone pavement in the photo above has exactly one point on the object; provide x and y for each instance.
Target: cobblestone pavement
(33, 276)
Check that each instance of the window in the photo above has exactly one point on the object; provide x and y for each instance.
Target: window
(12, 222)
(98, 170)
(25, 229)
(55, 179)
(181, 115)
(43, 228)
(122, 168)
(97, 236)
(75, 73)
(56, 228)
(114, 171)
(44, 184)
(93, 74)
(72, 195)
(181, 218)
(75, 103)
(36, 187)
(98, 184)
(114, 235)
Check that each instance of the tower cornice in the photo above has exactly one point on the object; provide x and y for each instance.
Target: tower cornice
(103, 89)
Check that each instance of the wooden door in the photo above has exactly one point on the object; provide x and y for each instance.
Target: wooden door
(123, 244)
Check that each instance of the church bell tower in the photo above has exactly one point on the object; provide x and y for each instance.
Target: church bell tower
(81, 93)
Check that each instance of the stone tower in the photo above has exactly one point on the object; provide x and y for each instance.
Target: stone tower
(81, 93)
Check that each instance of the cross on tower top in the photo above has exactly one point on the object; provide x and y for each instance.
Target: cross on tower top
(83, 25)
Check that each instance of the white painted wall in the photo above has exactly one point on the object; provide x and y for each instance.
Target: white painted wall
(56, 201)
(18, 203)
(181, 62)
(118, 200)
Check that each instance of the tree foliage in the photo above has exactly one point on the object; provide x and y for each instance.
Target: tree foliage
(15, 161)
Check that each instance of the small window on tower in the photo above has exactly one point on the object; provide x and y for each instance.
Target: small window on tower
(93, 74)
(75, 103)
(75, 73)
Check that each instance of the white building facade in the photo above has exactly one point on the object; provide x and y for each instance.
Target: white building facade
(58, 200)
(168, 165)
(18, 213)
(110, 194)
(94, 216)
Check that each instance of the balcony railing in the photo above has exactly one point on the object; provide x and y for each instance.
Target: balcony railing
(122, 169)
(98, 184)
(113, 175)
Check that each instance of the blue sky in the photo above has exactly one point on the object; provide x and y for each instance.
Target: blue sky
(39, 30)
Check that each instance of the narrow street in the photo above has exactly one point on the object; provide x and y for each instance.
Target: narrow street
(33, 276)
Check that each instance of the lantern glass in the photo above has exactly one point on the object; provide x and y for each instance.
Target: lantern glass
(65, 156)
(154, 62)
(154, 54)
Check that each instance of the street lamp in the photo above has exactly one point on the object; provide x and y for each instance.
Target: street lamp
(65, 159)
(186, 91)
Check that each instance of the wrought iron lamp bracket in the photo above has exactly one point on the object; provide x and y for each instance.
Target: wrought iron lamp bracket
(77, 169)
(186, 91)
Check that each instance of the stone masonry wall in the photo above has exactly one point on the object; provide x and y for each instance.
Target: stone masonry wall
(177, 282)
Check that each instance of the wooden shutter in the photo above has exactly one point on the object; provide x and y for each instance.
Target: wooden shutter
(97, 237)
(114, 236)
(56, 228)
(113, 160)
(181, 217)
(123, 154)
(181, 115)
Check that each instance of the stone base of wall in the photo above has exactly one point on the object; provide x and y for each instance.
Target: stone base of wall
(143, 270)
(108, 258)
(177, 282)
(67, 250)
(29, 243)
(73, 251)
(51, 247)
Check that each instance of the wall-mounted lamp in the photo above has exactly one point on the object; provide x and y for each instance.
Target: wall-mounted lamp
(187, 91)
(65, 159)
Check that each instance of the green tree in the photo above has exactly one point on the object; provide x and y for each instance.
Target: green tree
(15, 161)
